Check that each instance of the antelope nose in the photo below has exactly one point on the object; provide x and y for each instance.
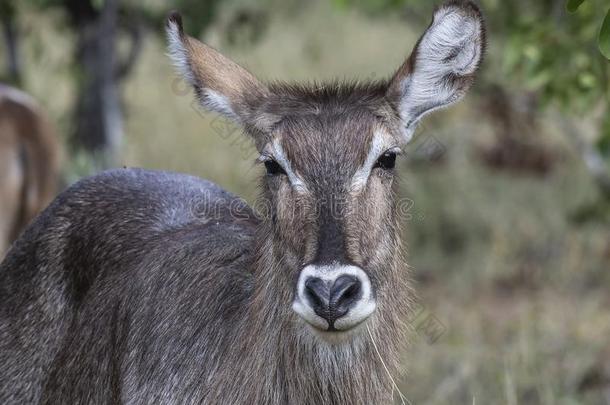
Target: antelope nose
(332, 299)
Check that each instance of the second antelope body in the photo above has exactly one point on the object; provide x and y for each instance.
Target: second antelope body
(144, 287)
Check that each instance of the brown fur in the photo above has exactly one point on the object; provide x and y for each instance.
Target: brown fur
(28, 163)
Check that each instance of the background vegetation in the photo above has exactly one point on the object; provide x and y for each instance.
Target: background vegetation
(509, 232)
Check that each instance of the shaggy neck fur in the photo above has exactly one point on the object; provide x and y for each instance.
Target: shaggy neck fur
(292, 365)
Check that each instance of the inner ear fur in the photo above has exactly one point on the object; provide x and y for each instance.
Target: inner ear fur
(220, 84)
(443, 63)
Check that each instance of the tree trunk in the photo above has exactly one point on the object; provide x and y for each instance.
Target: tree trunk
(99, 120)
(10, 35)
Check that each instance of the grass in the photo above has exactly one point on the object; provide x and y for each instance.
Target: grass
(520, 291)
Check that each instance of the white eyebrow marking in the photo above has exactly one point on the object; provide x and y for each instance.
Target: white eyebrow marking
(378, 145)
(278, 153)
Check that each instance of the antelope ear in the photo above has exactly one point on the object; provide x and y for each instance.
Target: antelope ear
(443, 64)
(220, 84)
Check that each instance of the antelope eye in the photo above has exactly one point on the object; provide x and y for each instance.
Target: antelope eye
(273, 167)
(387, 161)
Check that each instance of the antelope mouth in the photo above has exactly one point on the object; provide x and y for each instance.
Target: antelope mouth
(334, 299)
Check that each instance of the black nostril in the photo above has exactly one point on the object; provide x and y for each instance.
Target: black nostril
(345, 292)
(318, 294)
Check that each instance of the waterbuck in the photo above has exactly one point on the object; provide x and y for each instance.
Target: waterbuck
(28, 163)
(148, 287)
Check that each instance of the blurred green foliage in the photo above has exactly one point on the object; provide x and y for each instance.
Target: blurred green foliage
(200, 13)
(603, 40)
(7, 8)
(604, 36)
(572, 5)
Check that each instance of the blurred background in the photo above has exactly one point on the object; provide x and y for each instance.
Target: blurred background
(508, 226)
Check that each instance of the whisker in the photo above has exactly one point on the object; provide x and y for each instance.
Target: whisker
(403, 398)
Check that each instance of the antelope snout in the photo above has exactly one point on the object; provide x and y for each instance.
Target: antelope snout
(331, 299)
(334, 297)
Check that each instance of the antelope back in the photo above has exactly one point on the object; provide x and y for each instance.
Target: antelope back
(28, 163)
